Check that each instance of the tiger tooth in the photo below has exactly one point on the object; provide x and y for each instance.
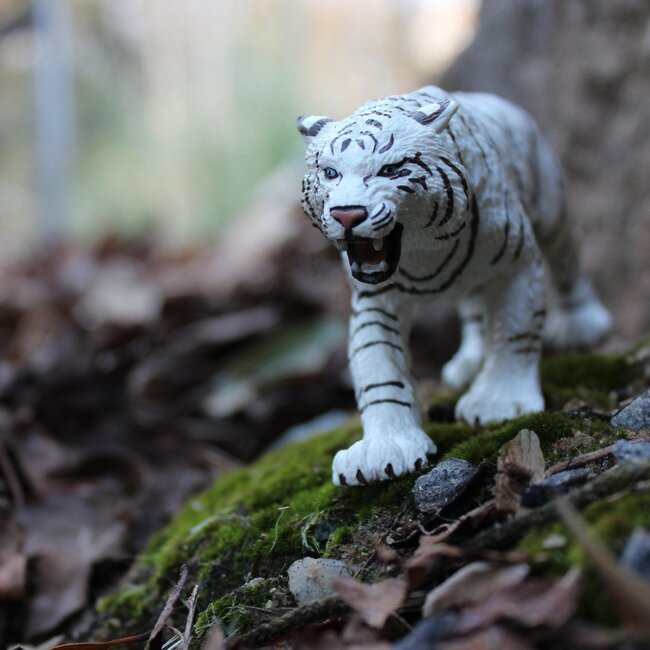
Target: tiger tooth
(377, 244)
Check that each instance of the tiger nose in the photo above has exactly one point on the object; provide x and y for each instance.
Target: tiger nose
(350, 216)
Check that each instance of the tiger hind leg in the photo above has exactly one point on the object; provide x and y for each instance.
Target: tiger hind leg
(461, 369)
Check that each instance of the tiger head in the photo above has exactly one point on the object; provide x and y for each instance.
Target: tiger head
(369, 182)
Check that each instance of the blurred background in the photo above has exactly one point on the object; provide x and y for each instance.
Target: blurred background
(166, 311)
(166, 114)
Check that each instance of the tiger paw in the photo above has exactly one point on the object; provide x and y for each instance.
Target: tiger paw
(382, 457)
(486, 405)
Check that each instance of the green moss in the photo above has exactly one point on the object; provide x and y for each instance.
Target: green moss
(593, 371)
(484, 446)
(610, 520)
(257, 520)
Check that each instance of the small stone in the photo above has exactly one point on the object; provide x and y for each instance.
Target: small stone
(632, 451)
(554, 541)
(635, 416)
(538, 494)
(636, 554)
(311, 579)
(444, 482)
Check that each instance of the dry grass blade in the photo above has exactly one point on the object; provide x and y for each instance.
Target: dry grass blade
(191, 607)
(100, 645)
(579, 461)
(630, 593)
(154, 637)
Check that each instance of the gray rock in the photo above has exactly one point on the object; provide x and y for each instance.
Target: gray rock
(435, 489)
(311, 579)
(632, 451)
(635, 416)
(636, 554)
(538, 494)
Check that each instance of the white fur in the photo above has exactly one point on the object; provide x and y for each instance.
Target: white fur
(477, 193)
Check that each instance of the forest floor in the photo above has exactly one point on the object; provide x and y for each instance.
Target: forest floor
(140, 388)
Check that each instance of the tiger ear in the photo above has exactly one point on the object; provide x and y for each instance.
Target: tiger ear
(310, 125)
(436, 114)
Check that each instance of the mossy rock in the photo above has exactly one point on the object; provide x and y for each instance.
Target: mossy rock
(254, 522)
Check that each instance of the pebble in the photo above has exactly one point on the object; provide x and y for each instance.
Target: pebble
(636, 415)
(632, 451)
(538, 494)
(311, 579)
(435, 489)
(636, 554)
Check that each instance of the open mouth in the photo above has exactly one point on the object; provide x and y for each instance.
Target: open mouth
(373, 260)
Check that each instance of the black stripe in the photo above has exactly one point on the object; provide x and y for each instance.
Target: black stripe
(379, 310)
(420, 180)
(417, 160)
(528, 350)
(397, 384)
(460, 175)
(336, 137)
(451, 279)
(388, 328)
(449, 190)
(386, 147)
(373, 343)
(375, 123)
(470, 130)
(345, 144)
(520, 245)
(406, 188)
(504, 246)
(372, 137)
(434, 215)
(526, 336)
(453, 139)
(453, 234)
(361, 144)
(443, 264)
(385, 401)
(539, 313)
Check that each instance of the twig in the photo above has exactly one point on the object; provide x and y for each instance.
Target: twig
(167, 610)
(578, 461)
(329, 607)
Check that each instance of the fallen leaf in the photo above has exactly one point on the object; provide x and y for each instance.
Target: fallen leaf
(375, 603)
(471, 584)
(100, 645)
(534, 603)
(521, 463)
(215, 639)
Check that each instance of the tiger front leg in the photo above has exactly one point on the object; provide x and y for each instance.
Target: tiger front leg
(393, 440)
(508, 384)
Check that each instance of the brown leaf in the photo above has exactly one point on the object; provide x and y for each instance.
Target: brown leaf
(531, 604)
(494, 638)
(426, 556)
(471, 584)
(374, 603)
(630, 593)
(521, 462)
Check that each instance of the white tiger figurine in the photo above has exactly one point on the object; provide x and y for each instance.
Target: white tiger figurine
(435, 194)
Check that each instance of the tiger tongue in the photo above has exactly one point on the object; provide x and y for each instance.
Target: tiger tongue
(364, 252)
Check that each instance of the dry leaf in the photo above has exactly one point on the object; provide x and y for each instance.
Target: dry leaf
(521, 462)
(374, 603)
(472, 584)
(534, 603)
